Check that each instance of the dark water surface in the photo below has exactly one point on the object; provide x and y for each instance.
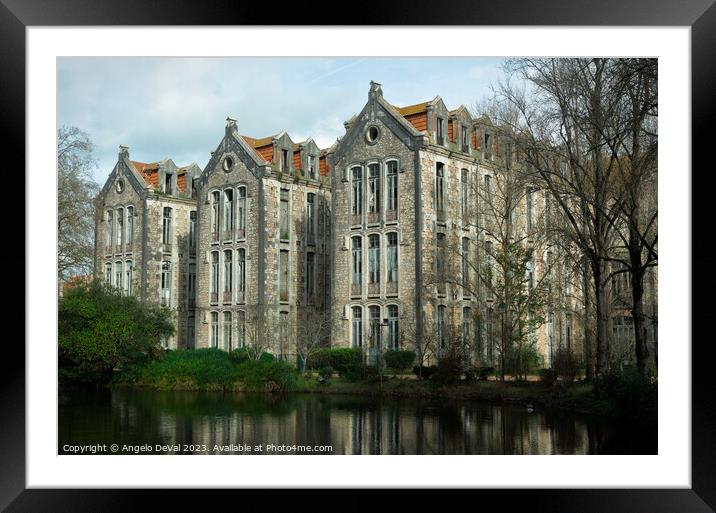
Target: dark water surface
(174, 422)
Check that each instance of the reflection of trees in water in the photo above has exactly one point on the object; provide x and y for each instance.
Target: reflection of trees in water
(352, 425)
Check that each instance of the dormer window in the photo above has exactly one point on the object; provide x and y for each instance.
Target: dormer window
(439, 130)
(464, 140)
(488, 147)
(284, 161)
(168, 184)
(311, 165)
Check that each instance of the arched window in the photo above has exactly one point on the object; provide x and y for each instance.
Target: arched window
(130, 228)
(374, 320)
(465, 266)
(441, 326)
(241, 207)
(357, 191)
(128, 277)
(228, 346)
(357, 327)
(241, 274)
(108, 273)
(214, 329)
(391, 173)
(215, 216)
(167, 226)
(356, 265)
(192, 232)
(373, 188)
(464, 195)
(120, 230)
(110, 231)
(228, 275)
(214, 277)
(392, 257)
(393, 332)
(311, 218)
(440, 189)
(374, 258)
(466, 327)
(228, 213)
(118, 275)
(240, 328)
(166, 281)
(550, 338)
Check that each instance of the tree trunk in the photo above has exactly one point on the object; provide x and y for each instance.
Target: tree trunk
(601, 311)
(588, 360)
(637, 312)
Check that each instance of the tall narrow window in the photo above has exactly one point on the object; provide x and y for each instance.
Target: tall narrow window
(192, 232)
(466, 327)
(110, 231)
(464, 140)
(374, 258)
(283, 215)
(393, 333)
(465, 266)
(530, 208)
(241, 275)
(120, 230)
(168, 183)
(441, 326)
(241, 207)
(550, 338)
(311, 218)
(489, 270)
(108, 273)
(118, 275)
(190, 330)
(311, 163)
(130, 228)
(310, 274)
(167, 226)
(391, 173)
(356, 265)
(440, 263)
(228, 346)
(283, 275)
(228, 275)
(464, 198)
(214, 283)
(488, 147)
(284, 161)
(373, 188)
(440, 189)
(228, 213)
(357, 192)
(357, 327)
(215, 216)
(214, 329)
(547, 209)
(284, 336)
(191, 285)
(374, 326)
(392, 257)
(488, 190)
(489, 335)
(240, 328)
(530, 276)
(166, 281)
(128, 277)
(439, 129)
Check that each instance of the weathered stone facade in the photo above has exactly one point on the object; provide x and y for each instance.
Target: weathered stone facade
(384, 232)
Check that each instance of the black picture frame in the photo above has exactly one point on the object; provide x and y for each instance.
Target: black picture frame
(17, 15)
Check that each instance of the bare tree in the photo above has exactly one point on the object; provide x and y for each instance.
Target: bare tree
(313, 330)
(425, 346)
(75, 208)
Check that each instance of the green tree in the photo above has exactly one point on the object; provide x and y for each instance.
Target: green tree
(100, 329)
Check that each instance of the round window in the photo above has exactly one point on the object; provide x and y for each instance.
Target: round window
(372, 134)
(120, 185)
(228, 164)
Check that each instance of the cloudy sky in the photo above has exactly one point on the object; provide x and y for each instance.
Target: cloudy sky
(177, 107)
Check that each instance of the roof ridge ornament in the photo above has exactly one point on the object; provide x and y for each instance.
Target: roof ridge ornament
(231, 127)
(375, 90)
(123, 151)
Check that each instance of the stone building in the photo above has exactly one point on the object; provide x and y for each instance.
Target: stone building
(387, 234)
(144, 236)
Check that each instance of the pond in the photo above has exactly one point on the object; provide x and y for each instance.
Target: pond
(179, 422)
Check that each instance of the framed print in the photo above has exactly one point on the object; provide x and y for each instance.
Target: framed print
(417, 254)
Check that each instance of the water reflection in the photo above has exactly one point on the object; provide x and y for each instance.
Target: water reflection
(351, 425)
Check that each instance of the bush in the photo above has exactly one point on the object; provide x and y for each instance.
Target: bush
(266, 357)
(448, 372)
(548, 376)
(325, 372)
(565, 364)
(522, 361)
(630, 394)
(425, 372)
(100, 330)
(485, 372)
(344, 360)
(399, 360)
(239, 355)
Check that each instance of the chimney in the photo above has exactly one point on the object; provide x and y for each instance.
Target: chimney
(375, 90)
(231, 126)
(123, 151)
